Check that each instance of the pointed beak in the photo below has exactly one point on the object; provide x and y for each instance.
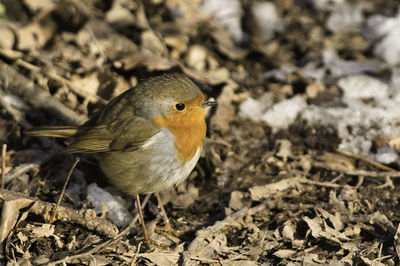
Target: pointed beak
(209, 102)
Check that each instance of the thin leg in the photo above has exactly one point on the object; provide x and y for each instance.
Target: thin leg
(145, 234)
(168, 226)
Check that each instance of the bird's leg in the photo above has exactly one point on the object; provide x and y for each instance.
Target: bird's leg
(145, 234)
(167, 225)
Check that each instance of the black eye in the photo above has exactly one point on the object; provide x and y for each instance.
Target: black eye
(180, 106)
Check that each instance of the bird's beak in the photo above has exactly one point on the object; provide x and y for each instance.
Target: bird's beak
(209, 102)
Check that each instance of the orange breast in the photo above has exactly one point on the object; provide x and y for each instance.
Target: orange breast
(188, 127)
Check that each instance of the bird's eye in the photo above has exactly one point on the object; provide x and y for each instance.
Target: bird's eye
(180, 106)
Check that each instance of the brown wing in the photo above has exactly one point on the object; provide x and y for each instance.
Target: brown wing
(127, 135)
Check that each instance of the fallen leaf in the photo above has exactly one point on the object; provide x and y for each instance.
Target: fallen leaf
(9, 215)
(336, 219)
(225, 110)
(162, 257)
(261, 192)
(284, 253)
(235, 201)
(284, 149)
(46, 230)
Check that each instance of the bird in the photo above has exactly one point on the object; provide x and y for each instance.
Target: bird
(148, 139)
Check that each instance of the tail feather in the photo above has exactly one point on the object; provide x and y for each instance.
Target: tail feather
(52, 131)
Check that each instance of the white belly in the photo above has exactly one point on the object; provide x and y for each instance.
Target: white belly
(154, 167)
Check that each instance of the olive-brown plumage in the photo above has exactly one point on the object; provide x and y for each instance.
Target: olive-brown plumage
(147, 139)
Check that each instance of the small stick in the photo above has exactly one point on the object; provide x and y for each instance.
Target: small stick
(362, 158)
(168, 226)
(84, 218)
(3, 164)
(133, 262)
(365, 173)
(24, 88)
(106, 243)
(53, 215)
(133, 222)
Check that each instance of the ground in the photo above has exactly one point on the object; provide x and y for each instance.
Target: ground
(270, 187)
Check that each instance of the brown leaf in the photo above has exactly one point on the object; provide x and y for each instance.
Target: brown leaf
(235, 201)
(89, 83)
(320, 229)
(46, 230)
(162, 258)
(284, 253)
(8, 38)
(179, 199)
(226, 45)
(261, 192)
(37, 33)
(214, 77)
(336, 219)
(338, 161)
(285, 149)
(145, 58)
(216, 246)
(9, 215)
(225, 110)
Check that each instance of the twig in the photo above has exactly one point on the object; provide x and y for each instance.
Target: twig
(11, 54)
(103, 245)
(86, 218)
(381, 258)
(92, 97)
(358, 172)
(20, 170)
(53, 215)
(26, 167)
(205, 260)
(3, 164)
(359, 182)
(362, 158)
(388, 184)
(321, 184)
(164, 213)
(80, 255)
(133, 223)
(16, 114)
(397, 240)
(17, 84)
(133, 262)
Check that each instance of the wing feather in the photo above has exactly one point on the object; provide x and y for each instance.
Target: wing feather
(127, 135)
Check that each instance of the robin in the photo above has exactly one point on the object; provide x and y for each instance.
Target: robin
(147, 139)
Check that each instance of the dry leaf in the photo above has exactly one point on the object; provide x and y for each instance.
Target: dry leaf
(261, 192)
(225, 110)
(162, 257)
(9, 215)
(46, 230)
(284, 253)
(336, 219)
(217, 244)
(145, 58)
(235, 201)
(89, 83)
(37, 34)
(285, 149)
